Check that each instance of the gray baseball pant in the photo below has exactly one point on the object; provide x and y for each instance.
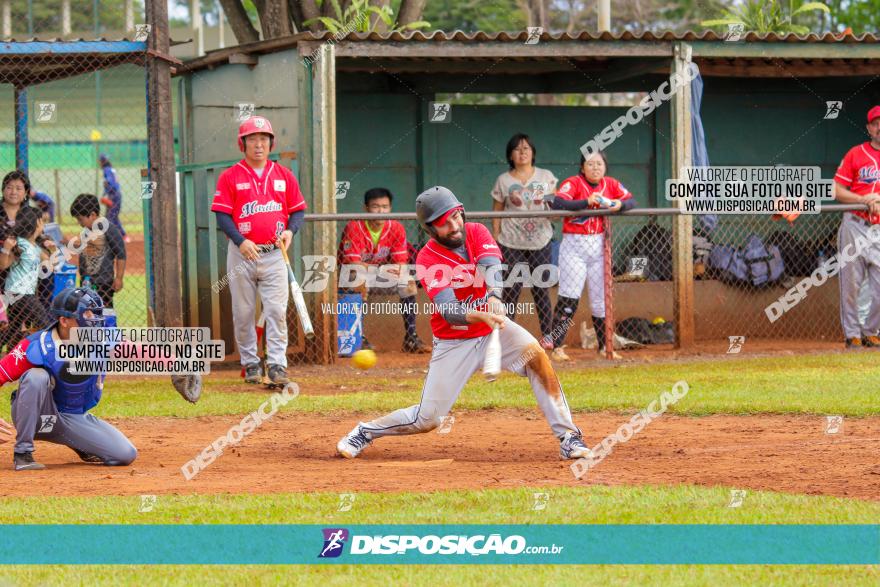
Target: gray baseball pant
(853, 275)
(268, 277)
(37, 418)
(453, 361)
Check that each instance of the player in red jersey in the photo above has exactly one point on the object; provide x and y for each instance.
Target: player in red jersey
(460, 270)
(380, 244)
(582, 252)
(259, 207)
(857, 181)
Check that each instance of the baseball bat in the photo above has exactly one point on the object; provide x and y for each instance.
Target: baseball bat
(492, 360)
(298, 300)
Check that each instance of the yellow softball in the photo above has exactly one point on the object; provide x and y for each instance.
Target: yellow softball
(364, 359)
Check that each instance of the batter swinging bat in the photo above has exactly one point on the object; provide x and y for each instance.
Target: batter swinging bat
(298, 300)
(492, 360)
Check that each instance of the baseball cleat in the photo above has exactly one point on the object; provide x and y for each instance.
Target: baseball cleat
(354, 442)
(24, 461)
(559, 355)
(871, 341)
(415, 346)
(854, 343)
(87, 457)
(253, 373)
(278, 375)
(572, 447)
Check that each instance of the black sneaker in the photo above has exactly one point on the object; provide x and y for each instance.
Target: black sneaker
(414, 345)
(365, 344)
(87, 457)
(24, 461)
(253, 373)
(278, 375)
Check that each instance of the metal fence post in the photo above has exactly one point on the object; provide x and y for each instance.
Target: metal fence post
(682, 245)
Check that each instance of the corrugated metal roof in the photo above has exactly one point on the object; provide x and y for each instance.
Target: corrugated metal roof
(521, 36)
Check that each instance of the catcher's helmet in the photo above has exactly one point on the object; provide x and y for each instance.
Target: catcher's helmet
(252, 126)
(433, 203)
(76, 302)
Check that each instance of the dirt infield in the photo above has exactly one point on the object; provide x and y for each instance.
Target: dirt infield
(484, 450)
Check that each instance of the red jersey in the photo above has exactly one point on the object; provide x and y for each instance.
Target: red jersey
(357, 244)
(14, 364)
(859, 172)
(439, 268)
(577, 188)
(259, 205)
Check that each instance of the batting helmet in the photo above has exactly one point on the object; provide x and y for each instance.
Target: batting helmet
(75, 302)
(433, 203)
(252, 126)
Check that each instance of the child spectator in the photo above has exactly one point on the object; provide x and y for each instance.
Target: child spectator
(102, 259)
(22, 256)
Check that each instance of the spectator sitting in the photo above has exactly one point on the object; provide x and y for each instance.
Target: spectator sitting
(102, 259)
(382, 243)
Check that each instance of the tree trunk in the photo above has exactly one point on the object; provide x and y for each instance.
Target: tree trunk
(377, 24)
(274, 18)
(239, 22)
(410, 11)
(309, 11)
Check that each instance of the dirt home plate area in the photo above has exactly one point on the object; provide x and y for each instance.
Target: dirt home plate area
(484, 450)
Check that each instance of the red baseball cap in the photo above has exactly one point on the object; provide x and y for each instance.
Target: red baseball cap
(873, 113)
(442, 220)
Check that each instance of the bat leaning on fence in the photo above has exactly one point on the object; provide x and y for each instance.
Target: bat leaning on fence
(298, 300)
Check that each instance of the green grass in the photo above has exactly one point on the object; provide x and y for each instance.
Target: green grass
(682, 504)
(819, 384)
(589, 505)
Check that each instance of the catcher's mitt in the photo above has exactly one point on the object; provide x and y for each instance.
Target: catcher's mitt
(188, 386)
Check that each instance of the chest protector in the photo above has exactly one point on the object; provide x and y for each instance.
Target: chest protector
(73, 394)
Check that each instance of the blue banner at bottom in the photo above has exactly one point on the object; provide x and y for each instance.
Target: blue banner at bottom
(440, 544)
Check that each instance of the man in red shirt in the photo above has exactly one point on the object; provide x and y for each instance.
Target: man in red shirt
(375, 244)
(460, 270)
(259, 207)
(857, 181)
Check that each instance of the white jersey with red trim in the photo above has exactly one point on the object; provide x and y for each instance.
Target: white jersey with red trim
(440, 268)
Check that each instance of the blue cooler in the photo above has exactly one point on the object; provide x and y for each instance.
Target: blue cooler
(349, 324)
(64, 277)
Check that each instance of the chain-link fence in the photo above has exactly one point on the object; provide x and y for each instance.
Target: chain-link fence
(742, 267)
(72, 207)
